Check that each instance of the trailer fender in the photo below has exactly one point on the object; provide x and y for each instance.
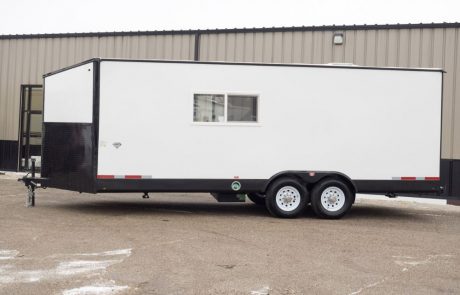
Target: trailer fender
(309, 178)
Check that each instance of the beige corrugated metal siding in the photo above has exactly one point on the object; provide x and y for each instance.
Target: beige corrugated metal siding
(23, 61)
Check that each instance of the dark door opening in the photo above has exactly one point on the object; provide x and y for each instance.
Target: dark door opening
(30, 136)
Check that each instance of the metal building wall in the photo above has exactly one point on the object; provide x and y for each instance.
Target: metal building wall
(419, 47)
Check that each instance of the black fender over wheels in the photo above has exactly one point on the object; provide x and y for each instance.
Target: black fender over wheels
(257, 198)
(286, 198)
(331, 198)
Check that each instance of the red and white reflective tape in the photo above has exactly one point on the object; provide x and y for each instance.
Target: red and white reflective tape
(432, 178)
(124, 176)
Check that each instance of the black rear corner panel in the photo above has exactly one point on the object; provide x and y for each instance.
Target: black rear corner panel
(68, 156)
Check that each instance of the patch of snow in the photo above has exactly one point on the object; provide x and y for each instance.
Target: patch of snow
(95, 290)
(64, 268)
(125, 252)
(8, 254)
(410, 261)
(261, 291)
(119, 252)
(68, 268)
(27, 276)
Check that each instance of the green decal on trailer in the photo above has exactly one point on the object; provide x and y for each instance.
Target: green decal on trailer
(236, 185)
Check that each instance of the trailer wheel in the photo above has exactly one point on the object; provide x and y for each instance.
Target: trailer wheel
(286, 198)
(331, 198)
(257, 198)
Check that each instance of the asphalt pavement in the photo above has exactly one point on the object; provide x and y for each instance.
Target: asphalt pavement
(73, 243)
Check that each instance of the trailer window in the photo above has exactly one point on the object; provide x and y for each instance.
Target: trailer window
(222, 108)
(241, 108)
(208, 108)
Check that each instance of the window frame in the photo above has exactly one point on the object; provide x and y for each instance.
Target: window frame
(226, 122)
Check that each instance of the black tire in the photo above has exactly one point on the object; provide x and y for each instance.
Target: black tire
(296, 194)
(257, 198)
(335, 190)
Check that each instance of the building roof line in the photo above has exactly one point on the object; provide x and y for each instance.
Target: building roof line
(238, 30)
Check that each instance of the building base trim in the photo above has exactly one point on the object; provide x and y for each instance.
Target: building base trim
(9, 155)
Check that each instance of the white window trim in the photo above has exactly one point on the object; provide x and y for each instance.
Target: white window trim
(225, 108)
(226, 123)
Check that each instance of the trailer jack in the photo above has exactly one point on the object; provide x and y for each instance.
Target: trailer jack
(30, 201)
(32, 183)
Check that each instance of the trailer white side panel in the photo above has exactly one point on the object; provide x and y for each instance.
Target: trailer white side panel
(366, 123)
(69, 96)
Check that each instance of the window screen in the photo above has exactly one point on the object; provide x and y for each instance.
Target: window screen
(208, 108)
(242, 108)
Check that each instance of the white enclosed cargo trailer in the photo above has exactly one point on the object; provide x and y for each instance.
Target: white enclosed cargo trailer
(285, 134)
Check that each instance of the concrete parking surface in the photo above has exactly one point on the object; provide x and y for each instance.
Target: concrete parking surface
(74, 243)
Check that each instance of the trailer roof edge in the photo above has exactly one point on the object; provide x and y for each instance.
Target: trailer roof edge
(338, 66)
(71, 67)
(334, 66)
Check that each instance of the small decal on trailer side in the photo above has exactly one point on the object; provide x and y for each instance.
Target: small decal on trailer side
(236, 185)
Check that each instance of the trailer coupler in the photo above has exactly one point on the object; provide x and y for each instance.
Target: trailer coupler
(32, 183)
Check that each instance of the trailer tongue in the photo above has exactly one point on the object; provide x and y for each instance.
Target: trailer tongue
(285, 135)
